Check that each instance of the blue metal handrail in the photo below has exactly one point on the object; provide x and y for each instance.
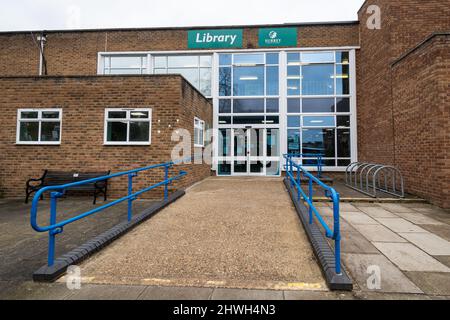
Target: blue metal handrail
(332, 233)
(58, 191)
(310, 155)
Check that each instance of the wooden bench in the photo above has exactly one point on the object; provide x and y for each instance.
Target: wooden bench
(58, 178)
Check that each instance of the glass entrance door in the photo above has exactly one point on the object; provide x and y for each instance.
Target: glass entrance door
(254, 152)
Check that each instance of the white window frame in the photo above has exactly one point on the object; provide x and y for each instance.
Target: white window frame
(38, 120)
(128, 120)
(200, 125)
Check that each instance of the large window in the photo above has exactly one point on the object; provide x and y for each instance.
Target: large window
(249, 89)
(196, 69)
(128, 126)
(125, 64)
(39, 126)
(318, 106)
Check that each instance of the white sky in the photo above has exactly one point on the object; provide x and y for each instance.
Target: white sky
(80, 14)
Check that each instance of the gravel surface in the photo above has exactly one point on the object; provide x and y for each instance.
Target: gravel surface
(226, 232)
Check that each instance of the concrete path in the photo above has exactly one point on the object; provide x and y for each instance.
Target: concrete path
(228, 233)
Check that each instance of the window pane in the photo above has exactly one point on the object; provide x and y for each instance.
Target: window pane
(293, 72)
(293, 141)
(317, 57)
(294, 122)
(293, 58)
(29, 115)
(319, 141)
(117, 114)
(225, 106)
(343, 105)
(343, 141)
(50, 115)
(125, 71)
(318, 105)
(139, 114)
(248, 81)
(126, 62)
(319, 122)
(273, 120)
(272, 81)
(160, 62)
(344, 163)
(224, 168)
(272, 106)
(117, 132)
(343, 57)
(249, 120)
(293, 87)
(293, 105)
(248, 106)
(29, 131)
(205, 61)
(249, 59)
(183, 61)
(196, 136)
(190, 75)
(224, 120)
(318, 79)
(205, 81)
(342, 79)
(272, 58)
(139, 131)
(50, 131)
(225, 59)
(343, 121)
(273, 142)
(273, 168)
(224, 143)
(225, 82)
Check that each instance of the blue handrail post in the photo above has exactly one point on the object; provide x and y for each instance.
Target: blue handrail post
(337, 232)
(166, 184)
(299, 182)
(130, 192)
(310, 201)
(52, 233)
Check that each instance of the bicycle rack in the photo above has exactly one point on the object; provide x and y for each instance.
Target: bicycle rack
(369, 178)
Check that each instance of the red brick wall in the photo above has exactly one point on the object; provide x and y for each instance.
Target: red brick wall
(83, 100)
(421, 100)
(390, 129)
(75, 53)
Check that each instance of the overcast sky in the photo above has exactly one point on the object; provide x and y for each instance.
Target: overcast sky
(81, 14)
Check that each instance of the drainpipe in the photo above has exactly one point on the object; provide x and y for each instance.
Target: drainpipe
(42, 39)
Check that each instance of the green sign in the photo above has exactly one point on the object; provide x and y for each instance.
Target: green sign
(278, 37)
(215, 39)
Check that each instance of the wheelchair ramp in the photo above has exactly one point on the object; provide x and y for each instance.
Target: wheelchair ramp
(225, 232)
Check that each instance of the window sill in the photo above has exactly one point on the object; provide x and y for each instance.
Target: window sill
(127, 144)
(198, 146)
(38, 143)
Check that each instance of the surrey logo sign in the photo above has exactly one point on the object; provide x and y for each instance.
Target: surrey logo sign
(215, 39)
(278, 37)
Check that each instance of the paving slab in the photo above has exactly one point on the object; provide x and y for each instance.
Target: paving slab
(428, 242)
(378, 212)
(395, 208)
(102, 292)
(441, 231)
(176, 293)
(410, 258)
(400, 225)
(354, 242)
(348, 207)
(238, 294)
(419, 218)
(432, 283)
(444, 260)
(378, 233)
(377, 296)
(316, 295)
(392, 279)
(28, 290)
(358, 218)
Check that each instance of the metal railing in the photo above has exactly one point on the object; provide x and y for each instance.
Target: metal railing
(331, 233)
(55, 228)
(369, 178)
(302, 156)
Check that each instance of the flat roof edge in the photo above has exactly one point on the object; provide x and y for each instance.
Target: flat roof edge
(289, 24)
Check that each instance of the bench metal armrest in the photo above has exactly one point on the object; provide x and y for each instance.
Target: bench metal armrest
(41, 180)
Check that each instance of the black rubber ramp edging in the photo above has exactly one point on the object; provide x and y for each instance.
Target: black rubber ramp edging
(50, 274)
(322, 250)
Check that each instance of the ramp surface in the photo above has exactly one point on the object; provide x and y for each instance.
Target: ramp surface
(226, 232)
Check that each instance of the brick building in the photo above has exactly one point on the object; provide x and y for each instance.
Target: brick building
(342, 89)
